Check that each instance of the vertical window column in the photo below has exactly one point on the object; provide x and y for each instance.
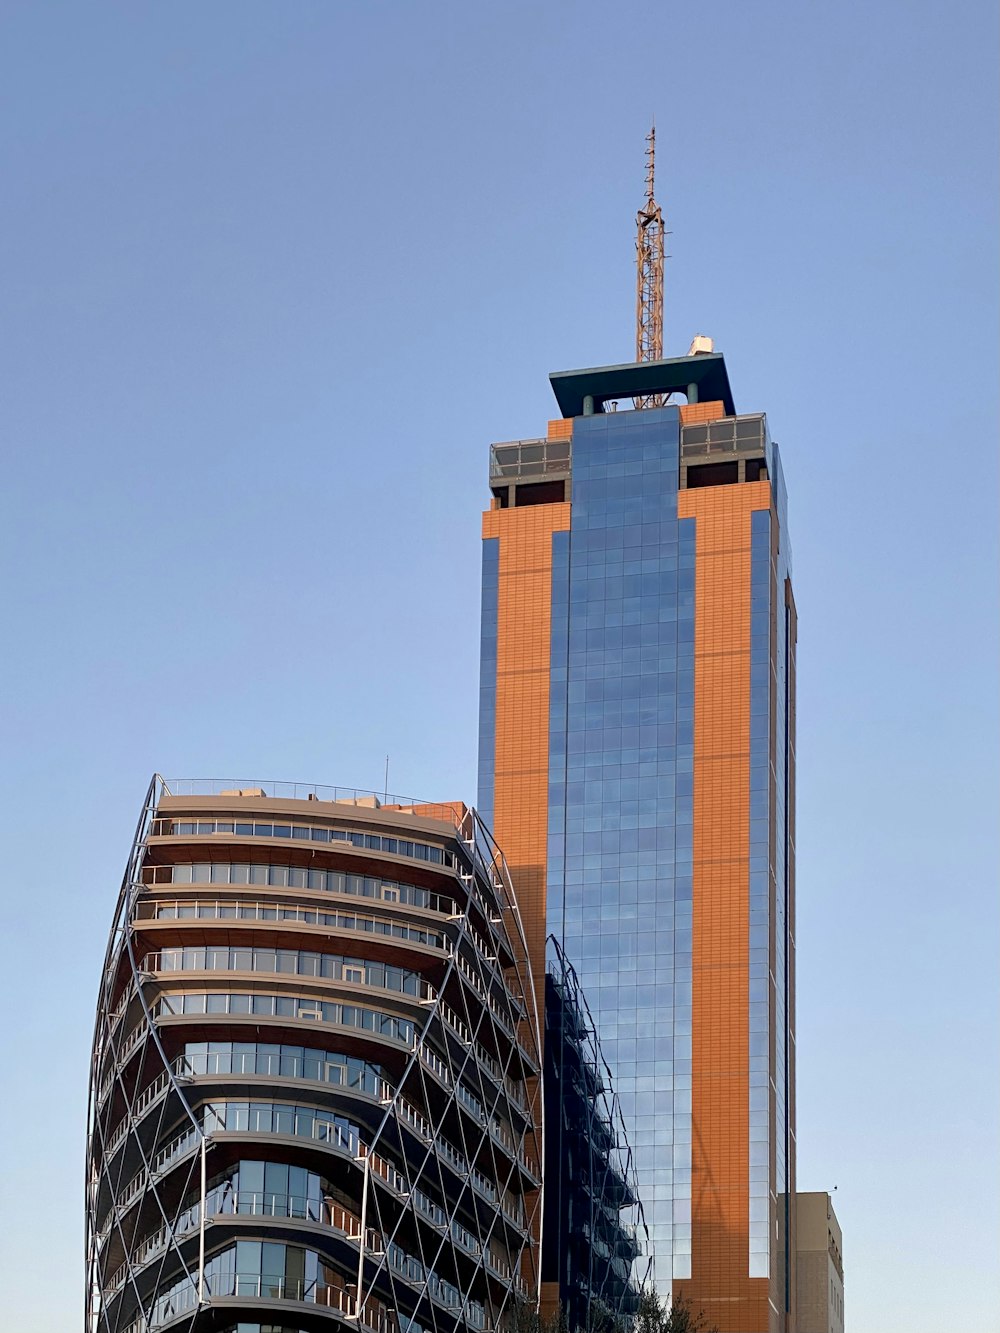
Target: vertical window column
(621, 761)
(556, 888)
(488, 679)
(760, 820)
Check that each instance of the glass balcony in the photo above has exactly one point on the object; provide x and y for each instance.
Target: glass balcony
(530, 458)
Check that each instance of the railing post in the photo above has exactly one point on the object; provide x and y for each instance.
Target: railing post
(201, 1227)
(361, 1242)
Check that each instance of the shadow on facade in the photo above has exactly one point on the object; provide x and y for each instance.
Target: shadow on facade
(595, 1250)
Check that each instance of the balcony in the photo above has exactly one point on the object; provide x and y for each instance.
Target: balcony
(526, 472)
(723, 452)
(223, 1201)
(530, 458)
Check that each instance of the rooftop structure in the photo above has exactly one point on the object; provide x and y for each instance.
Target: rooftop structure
(700, 378)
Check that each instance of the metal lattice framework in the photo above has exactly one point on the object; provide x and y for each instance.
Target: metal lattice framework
(649, 247)
(433, 1175)
(602, 1222)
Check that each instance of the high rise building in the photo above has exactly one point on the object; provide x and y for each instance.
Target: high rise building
(314, 1098)
(637, 764)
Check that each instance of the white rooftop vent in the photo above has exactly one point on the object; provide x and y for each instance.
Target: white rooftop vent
(700, 345)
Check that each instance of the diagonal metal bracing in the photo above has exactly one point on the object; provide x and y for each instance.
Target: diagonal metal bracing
(456, 1073)
(115, 1046)
(608, 1170)
(142, 1170)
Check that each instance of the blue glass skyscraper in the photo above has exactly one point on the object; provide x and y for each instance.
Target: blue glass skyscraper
(620, 781)
(637, 764)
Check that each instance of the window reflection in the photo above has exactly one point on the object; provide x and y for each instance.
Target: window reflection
(620, 788)
(335, 967)
(284, 876)
(288, 1006)
(256, 828)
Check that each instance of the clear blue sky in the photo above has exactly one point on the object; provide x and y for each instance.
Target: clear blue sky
(275, 275)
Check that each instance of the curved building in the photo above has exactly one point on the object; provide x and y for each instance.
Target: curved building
(314, 1090)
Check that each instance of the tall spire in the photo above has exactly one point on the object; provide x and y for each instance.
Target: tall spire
(649, 274)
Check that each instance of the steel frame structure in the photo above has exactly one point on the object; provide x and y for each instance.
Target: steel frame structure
(472, 1201)
(649, 248)
(589, 1152)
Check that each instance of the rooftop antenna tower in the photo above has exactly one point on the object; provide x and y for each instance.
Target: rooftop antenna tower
(649, 275)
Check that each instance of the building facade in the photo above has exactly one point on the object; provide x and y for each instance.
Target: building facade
(315, 1092)
(819, 1266)
(637, 764)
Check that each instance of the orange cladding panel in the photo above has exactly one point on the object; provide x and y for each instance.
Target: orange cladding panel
(521, 767)
(720, 1084)
(449, 812)
(694, 413)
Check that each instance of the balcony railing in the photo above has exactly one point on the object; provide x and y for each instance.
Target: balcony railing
(501, 1018)
(374, 1317)
(174, 960)
(167, 826)
(224, 1201)
(285, 791)
(515, 1091)
(354, 923)
(224, 958)
(478, 844)
(241, 876)
(378, 1089)
(148, 1098)
(530, 458)
(727, 436)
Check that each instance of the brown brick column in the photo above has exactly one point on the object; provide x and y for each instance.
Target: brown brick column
(720, 1283)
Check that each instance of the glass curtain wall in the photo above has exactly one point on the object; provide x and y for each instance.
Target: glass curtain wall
(620, 798)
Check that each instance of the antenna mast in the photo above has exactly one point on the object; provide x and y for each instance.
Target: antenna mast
(649, 275)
